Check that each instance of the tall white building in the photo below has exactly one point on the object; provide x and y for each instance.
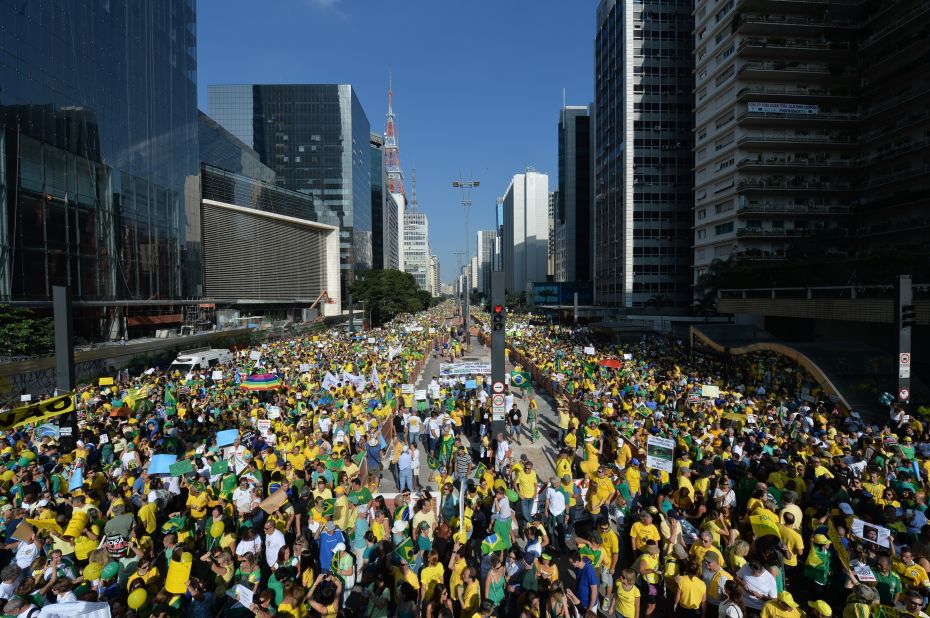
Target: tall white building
(435, 287)
(473, 273)
(416, 247)
(401, 200)
(525, 244)
(487, 241)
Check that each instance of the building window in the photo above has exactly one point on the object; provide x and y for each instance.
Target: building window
(702, 214)
(723, 228)
(701, 234)
(723, 207)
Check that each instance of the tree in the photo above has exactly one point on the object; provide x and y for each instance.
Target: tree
(387, 293)
(23, 333)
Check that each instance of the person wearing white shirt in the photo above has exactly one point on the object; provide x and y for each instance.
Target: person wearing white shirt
(415, 465)
(274, 541)
(759, 584)
(26, 553)
(242, 496)
(501, 455)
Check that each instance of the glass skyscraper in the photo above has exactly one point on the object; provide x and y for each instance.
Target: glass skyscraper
(643, 118)
(316, 138)
(99, 159)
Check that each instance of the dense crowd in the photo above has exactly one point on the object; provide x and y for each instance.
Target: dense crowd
(311, 477)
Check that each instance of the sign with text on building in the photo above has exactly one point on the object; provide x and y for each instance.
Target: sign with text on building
(783, 108)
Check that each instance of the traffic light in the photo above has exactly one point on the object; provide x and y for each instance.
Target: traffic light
(497, 318)
(908, 317)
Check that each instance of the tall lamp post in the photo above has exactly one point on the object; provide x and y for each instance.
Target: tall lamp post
(466, 186)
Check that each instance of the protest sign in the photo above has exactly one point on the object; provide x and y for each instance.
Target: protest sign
(216, 376)
(711, 391)
(660, 453)
(406, 389)
(161, 464)
(180, 468)
(273, 502)
(871, 532)
(420, 394)
(589, 350)
(226, 437)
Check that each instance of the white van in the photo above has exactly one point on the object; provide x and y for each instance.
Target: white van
(200, 359)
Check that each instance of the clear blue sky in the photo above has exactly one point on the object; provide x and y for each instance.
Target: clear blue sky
(477, 84)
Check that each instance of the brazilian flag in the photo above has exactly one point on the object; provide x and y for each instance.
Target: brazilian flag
(492, 543)
(405, 550)
(594, 555)
(479, 471)
(520, 379)
(329, 507)
(589, 369)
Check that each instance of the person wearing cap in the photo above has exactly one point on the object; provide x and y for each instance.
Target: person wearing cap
(817, 566)
(783, 606)
(819, 609)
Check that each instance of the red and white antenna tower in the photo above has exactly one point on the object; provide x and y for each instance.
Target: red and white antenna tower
(391, 152)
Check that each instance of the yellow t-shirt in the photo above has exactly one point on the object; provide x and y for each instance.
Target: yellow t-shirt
(470, 598)
(626, 601)
(526, 484)
(693, 591)
(642, 533)
(770, 610)
(198, 505)
(610, 547)
(795, 544)
(429, 577)
(147, 517)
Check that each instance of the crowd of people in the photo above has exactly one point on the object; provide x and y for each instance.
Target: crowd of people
(313, 477)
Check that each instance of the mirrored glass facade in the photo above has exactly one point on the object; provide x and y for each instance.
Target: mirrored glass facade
(99, 158)
(316, 139)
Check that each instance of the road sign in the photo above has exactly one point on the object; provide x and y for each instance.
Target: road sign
(497, 400)
(904, 365)
(904, 358)
(904, 394)
(498, 387)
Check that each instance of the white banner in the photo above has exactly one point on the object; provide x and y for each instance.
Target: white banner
(330, 381)
(783, 108)
(464, 369)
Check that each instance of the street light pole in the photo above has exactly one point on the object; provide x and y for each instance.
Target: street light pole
(466, 186)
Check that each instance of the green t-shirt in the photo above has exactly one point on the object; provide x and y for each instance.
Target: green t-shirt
(360, 497)
(888, 586)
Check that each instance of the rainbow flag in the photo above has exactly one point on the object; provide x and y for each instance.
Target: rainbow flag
(261, 382)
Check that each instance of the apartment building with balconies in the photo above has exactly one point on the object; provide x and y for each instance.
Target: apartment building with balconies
(776, 111)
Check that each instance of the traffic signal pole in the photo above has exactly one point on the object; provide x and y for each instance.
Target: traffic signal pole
(904, 320)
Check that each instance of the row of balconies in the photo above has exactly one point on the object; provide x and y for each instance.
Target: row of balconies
(779, 138)
(749, 19)
(782, 183)
(792, 161)
(758, 232)
(795, 90)
(791, 208)
(901, 20)
(800, 68)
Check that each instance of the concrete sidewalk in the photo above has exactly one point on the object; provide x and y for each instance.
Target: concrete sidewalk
(542, 453)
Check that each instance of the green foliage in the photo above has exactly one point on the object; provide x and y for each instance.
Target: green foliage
(387, 293)
(23, 333)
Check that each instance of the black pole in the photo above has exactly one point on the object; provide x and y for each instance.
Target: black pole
(64, 361)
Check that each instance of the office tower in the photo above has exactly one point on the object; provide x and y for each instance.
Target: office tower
(575, 197)
(550, 234)
(435, 287)
(99, 160)
(473, 273)
(487, 239)
(316, 138)
(244, 215)
(525, 242)
(384, 245)
(416, 247)
(643, 137)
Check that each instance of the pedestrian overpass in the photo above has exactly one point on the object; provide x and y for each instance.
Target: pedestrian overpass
(853, 374)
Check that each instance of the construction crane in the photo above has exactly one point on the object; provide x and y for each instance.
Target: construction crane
(329, 301)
